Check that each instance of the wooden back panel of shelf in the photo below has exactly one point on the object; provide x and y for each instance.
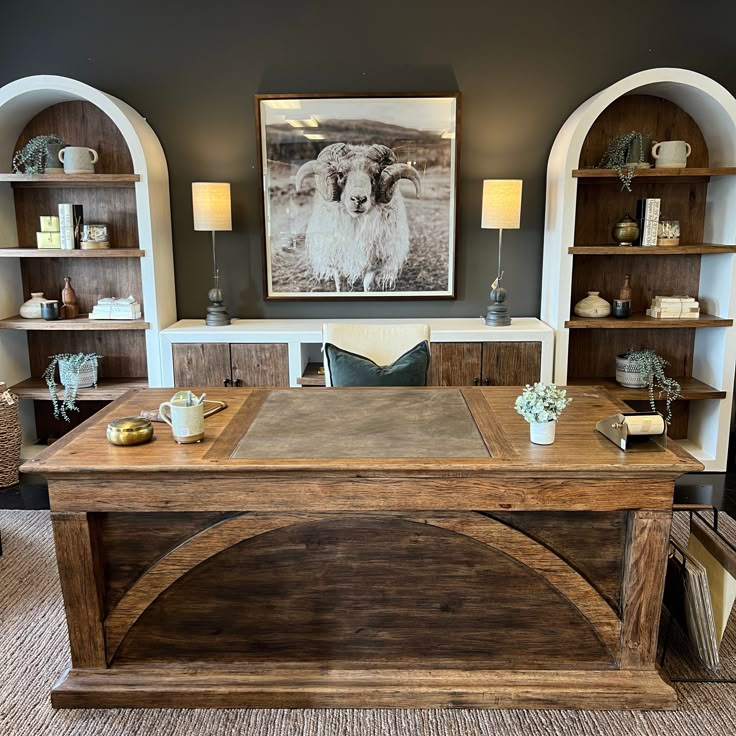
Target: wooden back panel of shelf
(82, 124)
(123, 351)
(675, 274)
(111, 206)
(91, 279)
(664, 120)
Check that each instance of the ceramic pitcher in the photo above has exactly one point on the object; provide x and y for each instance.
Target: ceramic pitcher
(671, 154)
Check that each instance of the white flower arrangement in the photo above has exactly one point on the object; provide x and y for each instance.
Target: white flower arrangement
(541, 403)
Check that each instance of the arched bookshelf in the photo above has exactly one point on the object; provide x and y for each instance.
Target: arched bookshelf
(579, 254)
(130, 193)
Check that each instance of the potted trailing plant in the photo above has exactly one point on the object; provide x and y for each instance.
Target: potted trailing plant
(627, 153)
(644, 368)
(34, 156)
(541, 406)
(78, 370)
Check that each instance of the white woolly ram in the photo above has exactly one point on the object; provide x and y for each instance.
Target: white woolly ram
(358, 227)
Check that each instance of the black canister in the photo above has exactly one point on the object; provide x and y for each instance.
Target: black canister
(621, 308)
(50, 310)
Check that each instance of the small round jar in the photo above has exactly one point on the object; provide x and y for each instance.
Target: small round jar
(129, 431)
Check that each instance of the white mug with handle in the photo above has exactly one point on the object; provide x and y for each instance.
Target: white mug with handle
(185, 418)
(78, 159)
(671, 154)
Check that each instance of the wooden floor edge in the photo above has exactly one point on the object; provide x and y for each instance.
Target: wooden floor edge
(134, 688)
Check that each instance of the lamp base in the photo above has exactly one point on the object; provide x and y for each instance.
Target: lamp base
(498, 314)
(217, 315)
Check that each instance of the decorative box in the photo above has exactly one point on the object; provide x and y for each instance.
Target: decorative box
(48, 240)
(49, 224)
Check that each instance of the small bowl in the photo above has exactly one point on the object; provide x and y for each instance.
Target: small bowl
(129, 431)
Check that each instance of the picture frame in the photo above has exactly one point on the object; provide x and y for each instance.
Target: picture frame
(358, 195)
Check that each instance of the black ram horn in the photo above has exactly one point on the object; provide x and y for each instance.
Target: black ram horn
(325, 178)
(335, 151)
(390, 178)
(382, 155)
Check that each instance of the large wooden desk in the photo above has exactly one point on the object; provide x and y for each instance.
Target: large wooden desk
(366, 547)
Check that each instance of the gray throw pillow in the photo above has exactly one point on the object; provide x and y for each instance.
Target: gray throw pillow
(350, 369)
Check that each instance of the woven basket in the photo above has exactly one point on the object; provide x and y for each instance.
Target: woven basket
(10, 439)
(627, 374)
(87, 373)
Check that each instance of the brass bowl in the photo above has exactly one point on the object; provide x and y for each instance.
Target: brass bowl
(129, 431)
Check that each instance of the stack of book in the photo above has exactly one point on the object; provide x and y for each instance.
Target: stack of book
(647, 215)
(674, 307)
(113, 308)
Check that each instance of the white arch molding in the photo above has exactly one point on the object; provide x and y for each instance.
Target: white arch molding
(22, 100)
(714, 110)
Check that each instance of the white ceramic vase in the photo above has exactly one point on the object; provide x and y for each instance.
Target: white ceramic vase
(32, 308)
(542, 433)
(593, 306)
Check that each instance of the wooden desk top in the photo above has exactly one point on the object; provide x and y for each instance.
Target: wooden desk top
(579, 449)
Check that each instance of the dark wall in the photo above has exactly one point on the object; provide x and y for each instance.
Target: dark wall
(192, 69)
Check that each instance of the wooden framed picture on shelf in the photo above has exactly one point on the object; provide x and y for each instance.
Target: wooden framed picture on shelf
(359, 195)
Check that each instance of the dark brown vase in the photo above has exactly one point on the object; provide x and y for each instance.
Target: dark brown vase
(625, 292)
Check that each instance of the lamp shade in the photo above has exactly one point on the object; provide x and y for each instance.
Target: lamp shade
(211, 205)
(501, 204)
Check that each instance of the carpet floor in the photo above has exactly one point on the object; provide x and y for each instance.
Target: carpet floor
(34, 651)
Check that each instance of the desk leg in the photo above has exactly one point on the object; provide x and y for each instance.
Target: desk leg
(643, 587)
(77, 561)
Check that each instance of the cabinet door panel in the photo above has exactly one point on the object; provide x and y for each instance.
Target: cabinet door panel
(260, 364)
(511, 363)
(454, 363)
(201, 364)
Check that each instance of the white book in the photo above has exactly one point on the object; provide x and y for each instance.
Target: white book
(133, 314)
(651, 221)
(683, 315)
(66, 227)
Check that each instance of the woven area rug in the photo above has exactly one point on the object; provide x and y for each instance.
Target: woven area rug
(34, 651)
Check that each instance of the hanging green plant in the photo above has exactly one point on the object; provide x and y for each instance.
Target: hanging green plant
(649, 366)
(618, 156)
(33, 157)
(76, 370)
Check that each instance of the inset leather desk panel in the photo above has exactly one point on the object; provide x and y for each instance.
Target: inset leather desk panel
(398, 423)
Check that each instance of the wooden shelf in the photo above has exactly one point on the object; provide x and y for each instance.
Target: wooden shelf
(642, 321)
(76, 253)
(692, 389)
(662, 250)
(80, 323)
(71, 180)
(659, 174)
(312, 375)
(108, 389)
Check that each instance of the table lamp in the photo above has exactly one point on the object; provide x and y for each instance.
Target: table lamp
(502, 210)
(211, 205)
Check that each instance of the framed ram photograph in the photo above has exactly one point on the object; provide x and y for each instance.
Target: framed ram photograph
(359, 195)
